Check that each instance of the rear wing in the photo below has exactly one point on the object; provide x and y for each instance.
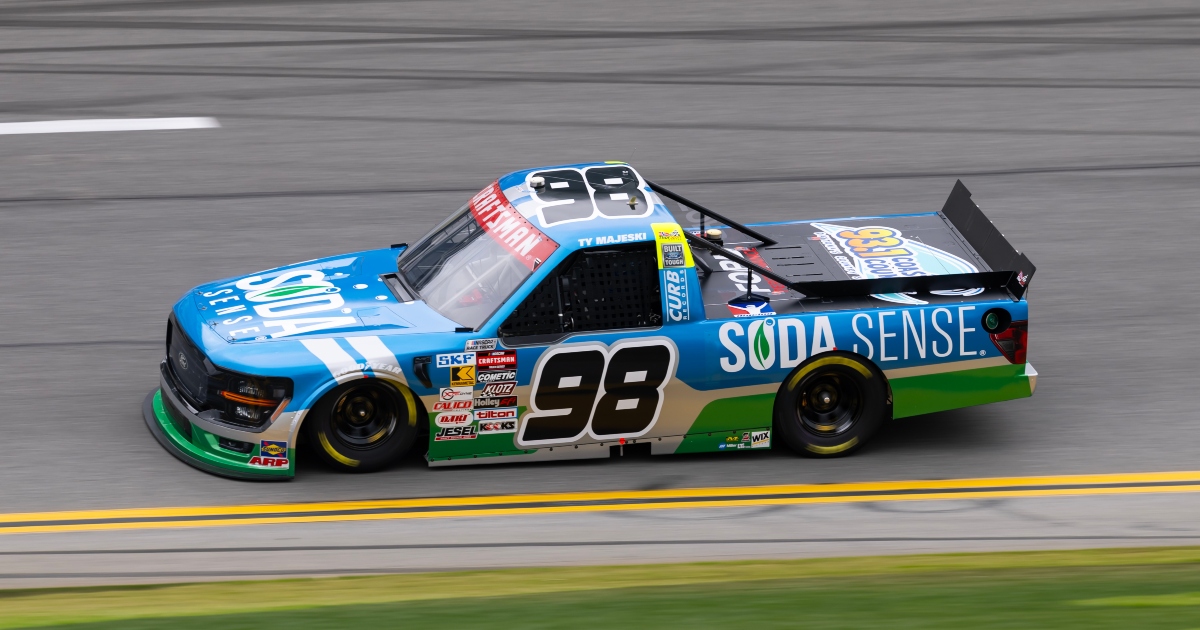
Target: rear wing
(1000, 266)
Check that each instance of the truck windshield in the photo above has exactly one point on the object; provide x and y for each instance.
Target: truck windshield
(461, 271)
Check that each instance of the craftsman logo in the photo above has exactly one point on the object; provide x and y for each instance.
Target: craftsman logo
(496, 414)
(268, 448)
(447, 394)
(760, 309)
(269, 462)
(453, 360)
(454, 419)
(492, 403)
(498, 389)
(455, 433)
(760, 439)
(454, 405)
(474, 345)
(502, 426)
(495, 377)
(508, 228)
(496, 360)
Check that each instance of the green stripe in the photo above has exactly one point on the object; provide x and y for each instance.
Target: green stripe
(918, 395)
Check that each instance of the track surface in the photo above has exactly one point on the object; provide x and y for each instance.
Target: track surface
(348, 125)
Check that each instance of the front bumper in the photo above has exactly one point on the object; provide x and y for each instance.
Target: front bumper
(196, 441)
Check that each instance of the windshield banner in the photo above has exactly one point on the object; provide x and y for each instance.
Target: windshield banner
(506, 226)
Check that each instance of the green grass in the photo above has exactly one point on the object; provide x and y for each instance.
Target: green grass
(1115, 588)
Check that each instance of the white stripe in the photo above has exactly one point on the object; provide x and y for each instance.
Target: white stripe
(377, 355)
(341, 365)
(559, 184)
(618, 196)
(612, 180)
(107, 124)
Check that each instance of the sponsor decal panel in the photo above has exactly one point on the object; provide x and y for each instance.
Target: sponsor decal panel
(760, 439)
(673, 251)
(878, 251)
(467, 432)
(496, 376)
(498, 389)
(456, 359)
(483, 415)
(507, 227)
(462, 376)
(751, 309)
(496, 360)
(497, 426)
(481, 345)
(453, 419)
(492, 403)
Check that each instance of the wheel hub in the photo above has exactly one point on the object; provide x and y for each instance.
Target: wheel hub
(364, 416)
(829, 404)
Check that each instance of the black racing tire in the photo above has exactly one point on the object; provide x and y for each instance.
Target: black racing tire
(364, 425)
(831, 405)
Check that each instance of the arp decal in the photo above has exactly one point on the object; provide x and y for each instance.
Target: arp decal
(269, 462)
(877, 251)
(495, 377)
(462, 376)
(602, 192)
(606, 392)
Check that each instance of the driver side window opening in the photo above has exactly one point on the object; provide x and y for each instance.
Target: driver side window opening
(613, 288)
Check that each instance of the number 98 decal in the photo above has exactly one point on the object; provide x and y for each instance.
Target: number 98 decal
(607, 392)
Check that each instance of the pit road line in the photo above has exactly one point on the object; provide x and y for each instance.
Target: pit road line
(107, 124)
(562, 503)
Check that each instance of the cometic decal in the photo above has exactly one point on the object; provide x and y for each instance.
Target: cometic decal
(507, 227)
(606, 392)
(495, 377)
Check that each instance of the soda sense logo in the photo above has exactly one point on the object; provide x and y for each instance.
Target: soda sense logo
(277, 302)
(763, 341)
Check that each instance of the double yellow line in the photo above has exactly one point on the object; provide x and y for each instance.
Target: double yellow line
(626, 500)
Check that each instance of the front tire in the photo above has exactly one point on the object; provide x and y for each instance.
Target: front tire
(363, 425)
(831, 405)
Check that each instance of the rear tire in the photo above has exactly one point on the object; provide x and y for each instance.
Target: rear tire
(831, 405)
(363, 425)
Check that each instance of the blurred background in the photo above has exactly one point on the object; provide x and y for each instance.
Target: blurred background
(345, 125)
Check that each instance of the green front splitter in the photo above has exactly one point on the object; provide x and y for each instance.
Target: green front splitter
(201, 450)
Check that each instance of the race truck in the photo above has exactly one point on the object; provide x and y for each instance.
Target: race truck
(582, 311)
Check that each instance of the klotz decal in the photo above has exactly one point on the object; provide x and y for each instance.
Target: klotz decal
(268, 448)
(453, 419)
(760, 439)
(481, 345)
(498, 389)
(752, 309)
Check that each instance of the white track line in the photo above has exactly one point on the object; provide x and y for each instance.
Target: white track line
(109, 124)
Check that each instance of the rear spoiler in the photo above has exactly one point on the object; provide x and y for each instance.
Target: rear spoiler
(1008, 268)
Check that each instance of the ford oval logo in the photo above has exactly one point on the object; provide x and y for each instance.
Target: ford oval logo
(182, 361)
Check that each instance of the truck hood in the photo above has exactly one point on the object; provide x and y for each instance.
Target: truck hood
(340, 295)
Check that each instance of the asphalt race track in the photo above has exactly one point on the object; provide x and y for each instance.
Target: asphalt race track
(347, 125)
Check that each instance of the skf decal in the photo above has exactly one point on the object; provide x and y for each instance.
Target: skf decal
(673, 251)
(451, 360)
